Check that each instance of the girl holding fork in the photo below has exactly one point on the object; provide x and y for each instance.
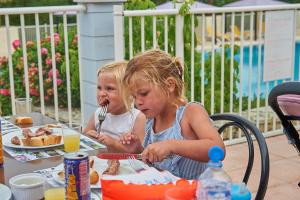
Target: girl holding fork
(118, 119)
(177, 134)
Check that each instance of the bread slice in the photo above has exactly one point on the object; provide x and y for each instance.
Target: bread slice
(24, 120)
(49, 140)
(57, 139)
(36, 141)
(26, 141)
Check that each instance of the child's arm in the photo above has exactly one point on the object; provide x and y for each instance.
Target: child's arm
(199, 136)
(134, 138)
(90, 129)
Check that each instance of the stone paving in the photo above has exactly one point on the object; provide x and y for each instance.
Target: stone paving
(284, 168)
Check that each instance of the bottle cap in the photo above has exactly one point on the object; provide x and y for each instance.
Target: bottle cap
(216, 154)
(240, 192)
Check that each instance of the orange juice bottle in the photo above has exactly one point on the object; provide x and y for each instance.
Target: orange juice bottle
(1, 147)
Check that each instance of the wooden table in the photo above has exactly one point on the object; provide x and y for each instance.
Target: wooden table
(13, 167)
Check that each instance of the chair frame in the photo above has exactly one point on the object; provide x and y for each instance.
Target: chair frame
(288, 128)
(249, 129)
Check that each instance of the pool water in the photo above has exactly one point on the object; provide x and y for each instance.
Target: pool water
(245, 76)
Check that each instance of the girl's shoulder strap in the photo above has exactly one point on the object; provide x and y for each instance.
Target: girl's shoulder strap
(181, 109)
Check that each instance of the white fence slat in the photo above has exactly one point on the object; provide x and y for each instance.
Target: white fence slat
(222, 62)
(250, 65)
(203, 59)
(231, 62)
(166, 33)
(40, 67)
(143, 33)
(67, 68)
(259, 68)
(25, 62)
(154, 32)
(130, 38)
(192, 57)
(10, 65)
(179, 38)
(212, 94)
(55, 96)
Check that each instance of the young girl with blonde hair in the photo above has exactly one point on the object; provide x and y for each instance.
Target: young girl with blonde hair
(177, 134)
(120, 118)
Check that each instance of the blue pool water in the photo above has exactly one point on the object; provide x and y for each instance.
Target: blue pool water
(245, 76)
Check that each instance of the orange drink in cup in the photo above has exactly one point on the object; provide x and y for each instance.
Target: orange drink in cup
(71, 140)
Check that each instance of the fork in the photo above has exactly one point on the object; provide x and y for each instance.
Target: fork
(136, 166)
(102, 114)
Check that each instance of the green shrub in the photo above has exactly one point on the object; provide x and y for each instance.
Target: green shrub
(33, 74)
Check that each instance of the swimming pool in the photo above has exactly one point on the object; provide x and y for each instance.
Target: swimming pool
(245, 76)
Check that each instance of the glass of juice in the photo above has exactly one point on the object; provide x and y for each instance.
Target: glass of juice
(71, 139)
(55, 194)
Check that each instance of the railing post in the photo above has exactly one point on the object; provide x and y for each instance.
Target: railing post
(96, 35)
(119, 32)
(179, 43)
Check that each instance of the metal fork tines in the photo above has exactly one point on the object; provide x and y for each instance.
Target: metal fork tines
(102, 114)
(135, 164)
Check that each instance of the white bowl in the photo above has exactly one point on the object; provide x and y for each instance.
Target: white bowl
(27, 186)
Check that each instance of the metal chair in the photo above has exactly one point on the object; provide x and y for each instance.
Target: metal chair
(251, 132)
(286, 118)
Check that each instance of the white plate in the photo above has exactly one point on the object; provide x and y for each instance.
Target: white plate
(5, 192)
(99, 165)
(6, 139)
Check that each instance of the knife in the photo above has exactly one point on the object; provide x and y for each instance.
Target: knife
(119, 156)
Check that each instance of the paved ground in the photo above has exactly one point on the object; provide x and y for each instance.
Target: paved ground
(284, 168)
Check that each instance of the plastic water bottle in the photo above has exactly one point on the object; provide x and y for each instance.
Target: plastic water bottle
(240, 192)
(214, 183)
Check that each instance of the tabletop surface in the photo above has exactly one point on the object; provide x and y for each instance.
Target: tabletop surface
(13, 167)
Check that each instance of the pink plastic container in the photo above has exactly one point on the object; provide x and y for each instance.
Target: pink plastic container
(289, 104)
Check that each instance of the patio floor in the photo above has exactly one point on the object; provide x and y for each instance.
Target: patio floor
(284, 168)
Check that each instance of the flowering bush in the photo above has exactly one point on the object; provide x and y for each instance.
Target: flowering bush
(47, 72)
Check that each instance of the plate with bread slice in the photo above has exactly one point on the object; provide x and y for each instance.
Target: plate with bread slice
(34, 138)
(98, 167)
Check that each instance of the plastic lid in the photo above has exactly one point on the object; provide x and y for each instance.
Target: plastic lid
(216, 154)
(240, 192)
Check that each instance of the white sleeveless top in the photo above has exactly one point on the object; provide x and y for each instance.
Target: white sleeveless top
(116, 125)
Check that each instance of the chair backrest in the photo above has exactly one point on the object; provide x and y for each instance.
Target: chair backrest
(284, 102)
(223, 121)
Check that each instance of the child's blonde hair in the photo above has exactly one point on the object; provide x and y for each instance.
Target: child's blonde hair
(118, 70)
(155, 66)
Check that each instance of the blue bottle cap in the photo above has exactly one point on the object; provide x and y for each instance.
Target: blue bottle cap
(240, 192)
(216, 154)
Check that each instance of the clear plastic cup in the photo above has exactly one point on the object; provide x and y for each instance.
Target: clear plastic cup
(71, 139)
(23, 105)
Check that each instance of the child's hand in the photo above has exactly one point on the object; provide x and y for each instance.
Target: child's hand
(131, 141)
(92, 133)
(106, 140)
(157, 152)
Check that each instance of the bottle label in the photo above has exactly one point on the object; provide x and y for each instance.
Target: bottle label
(215, 190)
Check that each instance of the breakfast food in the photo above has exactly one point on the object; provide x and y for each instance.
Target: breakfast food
(113, 167)
(23, 120)
(43, 136)
(94, 177)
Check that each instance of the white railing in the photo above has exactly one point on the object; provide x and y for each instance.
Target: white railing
(36, 12)
(212, 41)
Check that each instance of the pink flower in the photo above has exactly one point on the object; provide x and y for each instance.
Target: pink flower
(58, 82)
(46, 98)
(50, 73)
(34, 92)
(48, 80)
(57, 57)
(16, 44)
(5, 92)
(56, 37)
(44, 51)
(48, 61)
